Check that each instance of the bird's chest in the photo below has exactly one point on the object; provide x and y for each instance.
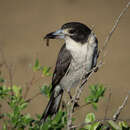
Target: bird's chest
(77, 50)
(81, 63)
(82, 55)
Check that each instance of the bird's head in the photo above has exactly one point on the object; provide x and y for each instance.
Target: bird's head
(73, 30)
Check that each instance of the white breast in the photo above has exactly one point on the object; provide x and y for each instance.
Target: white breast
(77, 50)
(81, 62)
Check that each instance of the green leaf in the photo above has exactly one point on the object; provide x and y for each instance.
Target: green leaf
(46, 90)
(46, 71)
(44, 126)
(58, 117)
(2, 80)
(123, 124)
(4, 92)
(38, 116)
(100, 91)
(95, 126)
(90, 118)
(4, 127)
(27, 118)
(23, 106)
(114, 125)
(36, 67)
(88, 127)
(96, 91)
(17, 90)
(93, 89)
(89, 99)
(94, 105)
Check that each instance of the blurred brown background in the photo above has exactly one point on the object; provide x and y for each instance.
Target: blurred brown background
(24, 22)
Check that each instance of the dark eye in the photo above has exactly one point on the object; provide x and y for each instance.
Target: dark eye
(72, 31)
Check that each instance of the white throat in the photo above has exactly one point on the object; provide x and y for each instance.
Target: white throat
(77, 50)
(81, 53)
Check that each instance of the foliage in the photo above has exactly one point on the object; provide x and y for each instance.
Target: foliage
(92, 124)
(90, 117)
(17, 104)
(16, 119)
(96, 92)
(44, 69)
(45, 90)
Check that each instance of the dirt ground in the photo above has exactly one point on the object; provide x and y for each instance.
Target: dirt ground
(24, 22)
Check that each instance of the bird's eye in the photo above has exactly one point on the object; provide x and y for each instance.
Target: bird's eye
(72, 31)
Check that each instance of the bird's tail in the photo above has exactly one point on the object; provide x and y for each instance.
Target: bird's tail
(53, 104)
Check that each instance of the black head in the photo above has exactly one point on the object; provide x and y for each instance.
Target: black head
(75, 30)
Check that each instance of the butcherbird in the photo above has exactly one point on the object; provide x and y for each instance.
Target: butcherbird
(77, 57)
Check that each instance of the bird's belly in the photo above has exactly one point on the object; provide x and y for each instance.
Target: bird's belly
(74, 75)
(70, 80)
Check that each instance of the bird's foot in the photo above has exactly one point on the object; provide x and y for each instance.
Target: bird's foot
(76, 105)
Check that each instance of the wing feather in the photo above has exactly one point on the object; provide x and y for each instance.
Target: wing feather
(62, 65)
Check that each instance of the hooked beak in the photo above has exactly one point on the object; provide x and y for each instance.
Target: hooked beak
(55, 35)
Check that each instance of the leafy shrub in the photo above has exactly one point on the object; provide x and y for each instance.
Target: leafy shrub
(17, 120)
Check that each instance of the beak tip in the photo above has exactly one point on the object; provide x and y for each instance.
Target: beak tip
(49, 36)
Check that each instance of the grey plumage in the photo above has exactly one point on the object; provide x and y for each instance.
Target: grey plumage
(76, 58)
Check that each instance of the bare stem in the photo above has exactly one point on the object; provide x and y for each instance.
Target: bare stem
(81, 86)
(117, 113)
(8, 67)
(114, 27)
(98, 120)
(32, 98)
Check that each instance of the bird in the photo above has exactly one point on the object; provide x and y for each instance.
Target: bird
(76, 58)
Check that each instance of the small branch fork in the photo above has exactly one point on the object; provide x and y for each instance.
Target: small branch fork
(100, 63)
(115, 116)
(117, 113)
(10, 74)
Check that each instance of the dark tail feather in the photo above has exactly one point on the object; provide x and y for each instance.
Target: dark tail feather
(53, 104)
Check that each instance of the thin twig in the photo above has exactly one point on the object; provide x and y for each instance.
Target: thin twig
(76, 97)
(28, 86)
(80, 88)
(117, 113)
(33, 97)
(114, 27)
(33, 81)
(98, 120)
(105, 44)
(8, 67)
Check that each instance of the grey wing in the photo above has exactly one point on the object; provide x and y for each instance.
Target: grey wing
(95, 55)
(62, 65)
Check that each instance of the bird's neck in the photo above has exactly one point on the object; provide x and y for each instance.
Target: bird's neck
(77, 50)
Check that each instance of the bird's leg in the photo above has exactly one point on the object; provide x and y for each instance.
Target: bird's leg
(75, 103)
(69, 94)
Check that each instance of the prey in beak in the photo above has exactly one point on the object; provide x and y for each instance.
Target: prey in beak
(54, 35)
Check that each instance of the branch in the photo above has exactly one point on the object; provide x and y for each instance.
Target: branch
(101, 61)
(117, 113)
(115, 116)
(81, 86)
(30, 84)
(98, 120)
(114, 27)
(33, 97)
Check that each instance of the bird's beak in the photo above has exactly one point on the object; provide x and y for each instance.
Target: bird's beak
(55, 35)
